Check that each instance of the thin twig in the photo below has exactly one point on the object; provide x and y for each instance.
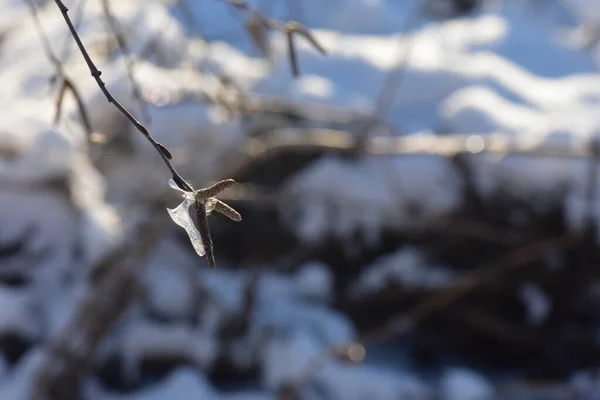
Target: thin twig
(135, 87)
(290, 29)
(66, 82)
(95, 72)
(281, 141)
(67, 45)
(44, 38)
(392, 82)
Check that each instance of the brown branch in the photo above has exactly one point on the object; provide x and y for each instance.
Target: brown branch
(66, 82)
(292, 53)
(67, 45)
(95, 72)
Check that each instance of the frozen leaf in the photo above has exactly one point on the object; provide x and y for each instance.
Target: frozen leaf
(181, 216)
(204, 203)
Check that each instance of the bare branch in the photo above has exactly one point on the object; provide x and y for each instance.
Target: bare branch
(67, 83)
(292, 53)
(68, 42)
(164, 153)
(307, 139)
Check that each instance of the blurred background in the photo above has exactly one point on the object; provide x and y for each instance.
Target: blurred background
(417, 180)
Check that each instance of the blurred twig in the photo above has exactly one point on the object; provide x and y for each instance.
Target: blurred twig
(291, 29)
(162, 150)
(66, 82)
(392, 82)
(135, 87)
(297, 140)
(200, 196)
(67, 45)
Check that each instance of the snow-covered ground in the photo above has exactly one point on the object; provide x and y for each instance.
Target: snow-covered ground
(523, 69)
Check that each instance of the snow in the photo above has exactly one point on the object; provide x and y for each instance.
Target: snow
(285, 358)
(286, 316)
(355, 383)
(509, 69)
(464, 384)
(537, 303)
(147, 340)
(378, 193)
(18, 315)
(585, 384)
(40, 153)
(167, 287)
(314, 281)
(17, 385)
(406, 267)
(184, 384)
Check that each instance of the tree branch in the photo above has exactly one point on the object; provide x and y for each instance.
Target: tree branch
(96, 73)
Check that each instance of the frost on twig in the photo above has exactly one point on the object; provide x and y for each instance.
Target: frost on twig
(204, 203)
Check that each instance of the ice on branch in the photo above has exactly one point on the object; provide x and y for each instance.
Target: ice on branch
(181, 216)
(204, 203)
